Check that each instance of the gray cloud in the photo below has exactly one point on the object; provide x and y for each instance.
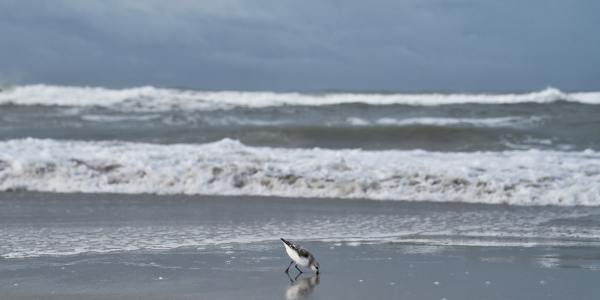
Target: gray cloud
(304, 45)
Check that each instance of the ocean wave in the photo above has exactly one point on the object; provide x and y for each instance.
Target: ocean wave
(514, 122)
(448, 122)
(118, 118)
(228, 167)
(161, 99)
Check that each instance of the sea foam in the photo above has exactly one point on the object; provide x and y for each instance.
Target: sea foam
(448, 122)
(228, 167)
(150, 98)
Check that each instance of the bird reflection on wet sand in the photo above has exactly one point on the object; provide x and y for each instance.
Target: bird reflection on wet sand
(301, 288)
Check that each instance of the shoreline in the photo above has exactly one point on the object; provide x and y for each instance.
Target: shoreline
(30, 222)
(219, 247)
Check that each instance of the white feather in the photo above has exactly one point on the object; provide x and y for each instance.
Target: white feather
(301, 261)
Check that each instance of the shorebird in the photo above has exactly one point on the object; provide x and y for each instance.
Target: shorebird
(301, 257)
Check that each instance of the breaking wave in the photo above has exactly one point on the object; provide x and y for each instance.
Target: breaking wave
(160, 99)
(448, 122)
(228, 167)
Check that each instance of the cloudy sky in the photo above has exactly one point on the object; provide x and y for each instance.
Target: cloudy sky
(396, 45)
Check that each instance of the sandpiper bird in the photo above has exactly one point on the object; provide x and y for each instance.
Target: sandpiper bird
(301, 257)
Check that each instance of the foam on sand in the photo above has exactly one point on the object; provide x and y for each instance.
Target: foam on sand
(228, 167)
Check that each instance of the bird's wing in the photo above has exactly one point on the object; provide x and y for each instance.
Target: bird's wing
(303, 252)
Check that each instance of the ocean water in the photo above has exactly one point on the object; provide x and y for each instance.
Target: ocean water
(525, 152)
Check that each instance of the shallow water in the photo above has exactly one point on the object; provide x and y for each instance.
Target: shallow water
(49, 224)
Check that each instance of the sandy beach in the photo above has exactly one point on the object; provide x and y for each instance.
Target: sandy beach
(433, 267)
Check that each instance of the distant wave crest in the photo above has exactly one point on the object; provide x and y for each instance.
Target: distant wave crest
(448, 122)
(160, 99)
(228, 167)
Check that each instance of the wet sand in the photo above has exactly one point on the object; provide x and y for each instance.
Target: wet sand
(254, 270)
(349, 272)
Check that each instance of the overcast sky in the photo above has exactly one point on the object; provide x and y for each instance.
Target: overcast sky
(396, 45)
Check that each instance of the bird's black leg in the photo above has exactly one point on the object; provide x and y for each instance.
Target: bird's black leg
(290, 277)
(299, 269)
(288, 268)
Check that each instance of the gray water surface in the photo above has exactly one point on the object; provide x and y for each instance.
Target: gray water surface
(459, 127)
